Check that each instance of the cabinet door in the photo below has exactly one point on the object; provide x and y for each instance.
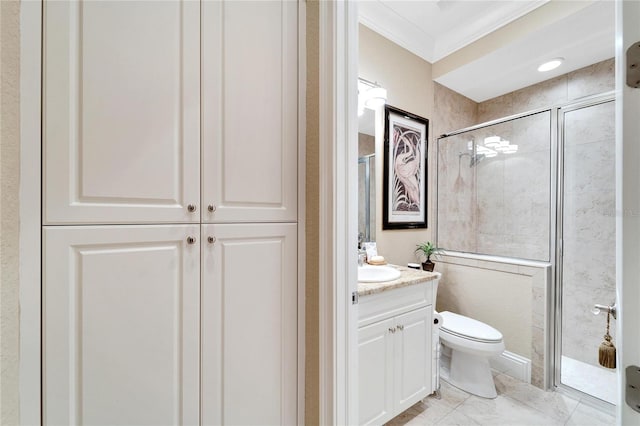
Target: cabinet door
(121, 325)
(121, 111)
(249, 324)
(375, 372)
(413, 357)
(249, 111)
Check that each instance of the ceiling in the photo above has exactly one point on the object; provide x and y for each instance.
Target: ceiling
(435, 29)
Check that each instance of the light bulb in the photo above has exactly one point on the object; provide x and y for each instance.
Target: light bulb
(551, 65)
(375, 97)
(492, 141)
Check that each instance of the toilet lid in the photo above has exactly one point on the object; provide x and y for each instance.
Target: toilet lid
(469, 328)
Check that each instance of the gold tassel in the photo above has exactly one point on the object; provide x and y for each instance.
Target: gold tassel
(607, 351)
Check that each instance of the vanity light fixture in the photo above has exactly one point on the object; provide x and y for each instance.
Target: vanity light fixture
(482, 150)
(502, 145)
(493, 145)
(487, 152)
(511, 149)
(492, 141)
(550, 65)
(376, 97)
(370, 95)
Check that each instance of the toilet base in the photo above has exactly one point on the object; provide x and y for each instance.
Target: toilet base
(468, 372)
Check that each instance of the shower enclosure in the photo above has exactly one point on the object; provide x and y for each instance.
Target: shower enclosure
(540, 186)
(494, 189)
(366, 198)
(587, 232)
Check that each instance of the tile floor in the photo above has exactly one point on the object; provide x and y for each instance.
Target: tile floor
(517, 404)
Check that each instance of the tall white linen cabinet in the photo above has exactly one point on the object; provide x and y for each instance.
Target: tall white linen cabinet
(170, 212)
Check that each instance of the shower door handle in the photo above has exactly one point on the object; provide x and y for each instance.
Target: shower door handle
(611, 309)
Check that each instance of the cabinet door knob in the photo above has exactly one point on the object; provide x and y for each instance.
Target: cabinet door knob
(211, 208)
(191, 208)
(191, 240)
(401, 327)
(392, 330)
(211, 240)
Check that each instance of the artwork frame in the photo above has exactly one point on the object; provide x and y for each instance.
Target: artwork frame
(406, 136)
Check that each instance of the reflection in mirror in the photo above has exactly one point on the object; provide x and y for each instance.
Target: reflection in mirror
(366, 177)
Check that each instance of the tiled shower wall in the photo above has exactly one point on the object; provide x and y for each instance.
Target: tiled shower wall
(453, 112)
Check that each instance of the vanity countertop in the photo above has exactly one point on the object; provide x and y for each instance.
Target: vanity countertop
(409, 277)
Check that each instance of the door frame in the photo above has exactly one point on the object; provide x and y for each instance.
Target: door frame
(627, 206)
(338, 59)
(30, 212)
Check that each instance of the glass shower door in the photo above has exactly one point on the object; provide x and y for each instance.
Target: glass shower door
(366, 198)
(587, 261)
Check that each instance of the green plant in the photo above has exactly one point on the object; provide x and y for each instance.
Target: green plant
(426, 250)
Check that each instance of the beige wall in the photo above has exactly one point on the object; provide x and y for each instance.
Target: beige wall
(408, 81)
(9, 209)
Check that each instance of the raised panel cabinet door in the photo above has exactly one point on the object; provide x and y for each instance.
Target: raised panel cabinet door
(249, 324)
(121, 312)
(249, 111)
(375, 372)
(121, 111)
(413, 357)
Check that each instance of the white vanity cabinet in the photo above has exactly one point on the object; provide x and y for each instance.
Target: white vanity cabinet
(395, 351)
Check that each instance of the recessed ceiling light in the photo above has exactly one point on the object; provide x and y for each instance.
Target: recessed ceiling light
(551, 65)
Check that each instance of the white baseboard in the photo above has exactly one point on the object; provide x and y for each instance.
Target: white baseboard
(512, 365)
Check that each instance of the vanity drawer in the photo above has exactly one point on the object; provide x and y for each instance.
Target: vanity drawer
(386, 304)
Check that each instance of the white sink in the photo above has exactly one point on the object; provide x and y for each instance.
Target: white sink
(377, 274)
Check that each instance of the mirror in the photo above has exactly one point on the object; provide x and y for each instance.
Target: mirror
(366, 177)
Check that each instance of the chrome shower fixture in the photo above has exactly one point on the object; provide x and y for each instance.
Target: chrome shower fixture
(474, 159)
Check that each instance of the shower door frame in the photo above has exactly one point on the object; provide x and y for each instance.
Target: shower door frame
(366, 160)
(555, 300)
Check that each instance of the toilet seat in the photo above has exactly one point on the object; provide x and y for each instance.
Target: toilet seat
(468, 328)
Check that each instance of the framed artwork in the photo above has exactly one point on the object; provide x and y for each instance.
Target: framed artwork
(405, 170)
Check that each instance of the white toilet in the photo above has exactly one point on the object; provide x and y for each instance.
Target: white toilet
(470, 344)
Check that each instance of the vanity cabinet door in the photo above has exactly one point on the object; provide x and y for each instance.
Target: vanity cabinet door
(413, 357)
(121, 112)
(376, 370)
(120, 323)
(249, 324)
(250, 92)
